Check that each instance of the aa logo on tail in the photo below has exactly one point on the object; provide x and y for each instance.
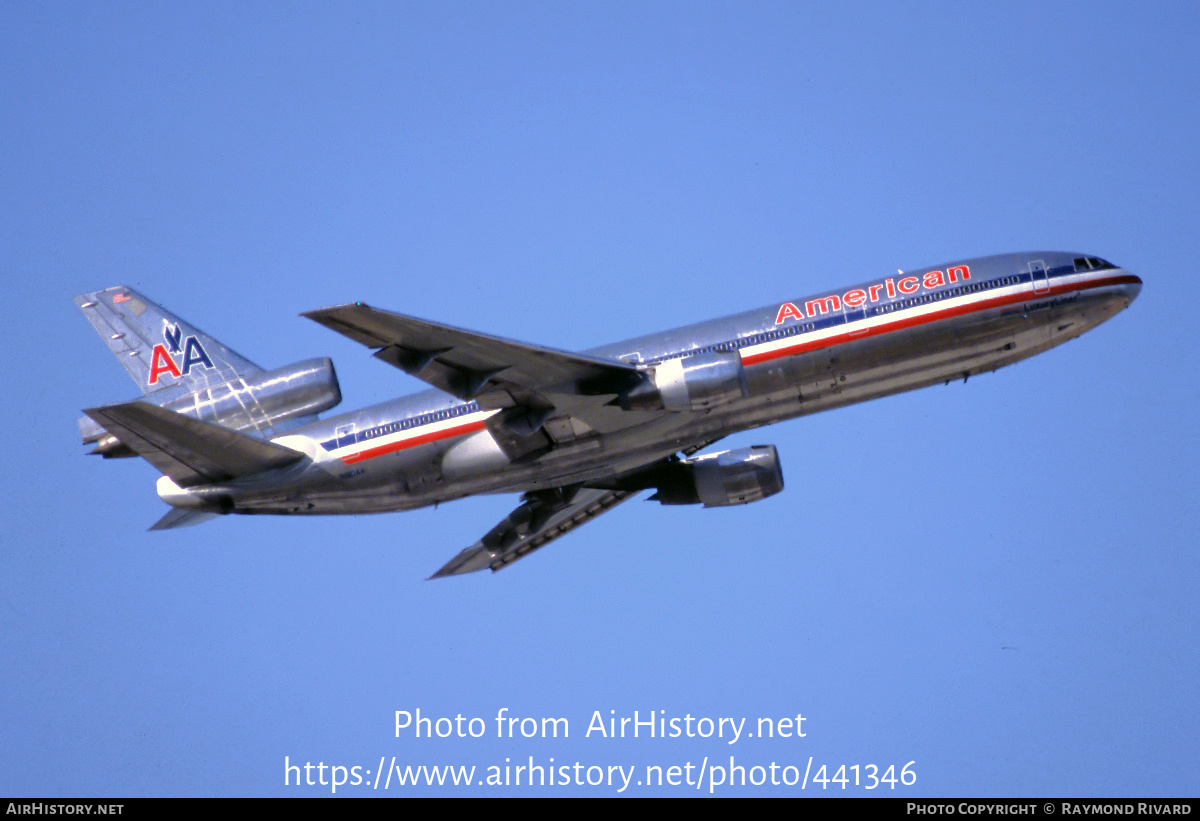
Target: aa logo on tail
(178, 356)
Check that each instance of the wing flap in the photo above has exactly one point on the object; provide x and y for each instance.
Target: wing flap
(187, 450)
(541, 518)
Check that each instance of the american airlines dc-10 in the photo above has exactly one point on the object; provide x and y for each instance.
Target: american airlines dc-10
(575, 433)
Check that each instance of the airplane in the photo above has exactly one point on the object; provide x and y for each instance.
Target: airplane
(576, 434)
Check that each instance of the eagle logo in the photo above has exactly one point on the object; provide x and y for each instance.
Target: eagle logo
(172, 334)
(178, 356)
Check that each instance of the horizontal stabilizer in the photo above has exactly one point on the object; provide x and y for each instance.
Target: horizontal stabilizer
(187, 450)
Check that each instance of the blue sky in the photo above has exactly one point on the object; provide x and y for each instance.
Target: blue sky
(995, 581)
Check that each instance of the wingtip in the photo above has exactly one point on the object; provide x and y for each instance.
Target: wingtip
(443, 572)
(182, 517)
(470, 560)
(317, 313)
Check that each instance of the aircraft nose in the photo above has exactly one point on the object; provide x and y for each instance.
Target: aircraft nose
(1133, 285)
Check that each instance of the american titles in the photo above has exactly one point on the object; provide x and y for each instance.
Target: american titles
(890, 288)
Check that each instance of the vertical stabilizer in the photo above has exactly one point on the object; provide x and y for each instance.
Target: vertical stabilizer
(180, 368)
(159, 350)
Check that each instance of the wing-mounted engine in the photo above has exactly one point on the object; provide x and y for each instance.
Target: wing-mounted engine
(255, 402)
(694, 383)
(731, 477)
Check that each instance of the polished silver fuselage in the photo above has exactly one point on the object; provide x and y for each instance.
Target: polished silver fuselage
(889, 335)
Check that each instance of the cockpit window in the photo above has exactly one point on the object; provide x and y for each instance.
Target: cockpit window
(1091, 264)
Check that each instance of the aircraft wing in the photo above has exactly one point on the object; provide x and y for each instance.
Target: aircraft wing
(496, 372)
(544, 515)
(541, 518)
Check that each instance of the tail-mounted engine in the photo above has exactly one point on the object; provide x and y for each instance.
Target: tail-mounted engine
(698, 382)
(731, 477)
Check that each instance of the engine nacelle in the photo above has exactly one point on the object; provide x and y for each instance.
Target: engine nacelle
(287, 393)
(731, 477)
(699, 382)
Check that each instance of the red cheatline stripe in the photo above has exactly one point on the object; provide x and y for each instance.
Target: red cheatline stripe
(935, 316)
(392, 447)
